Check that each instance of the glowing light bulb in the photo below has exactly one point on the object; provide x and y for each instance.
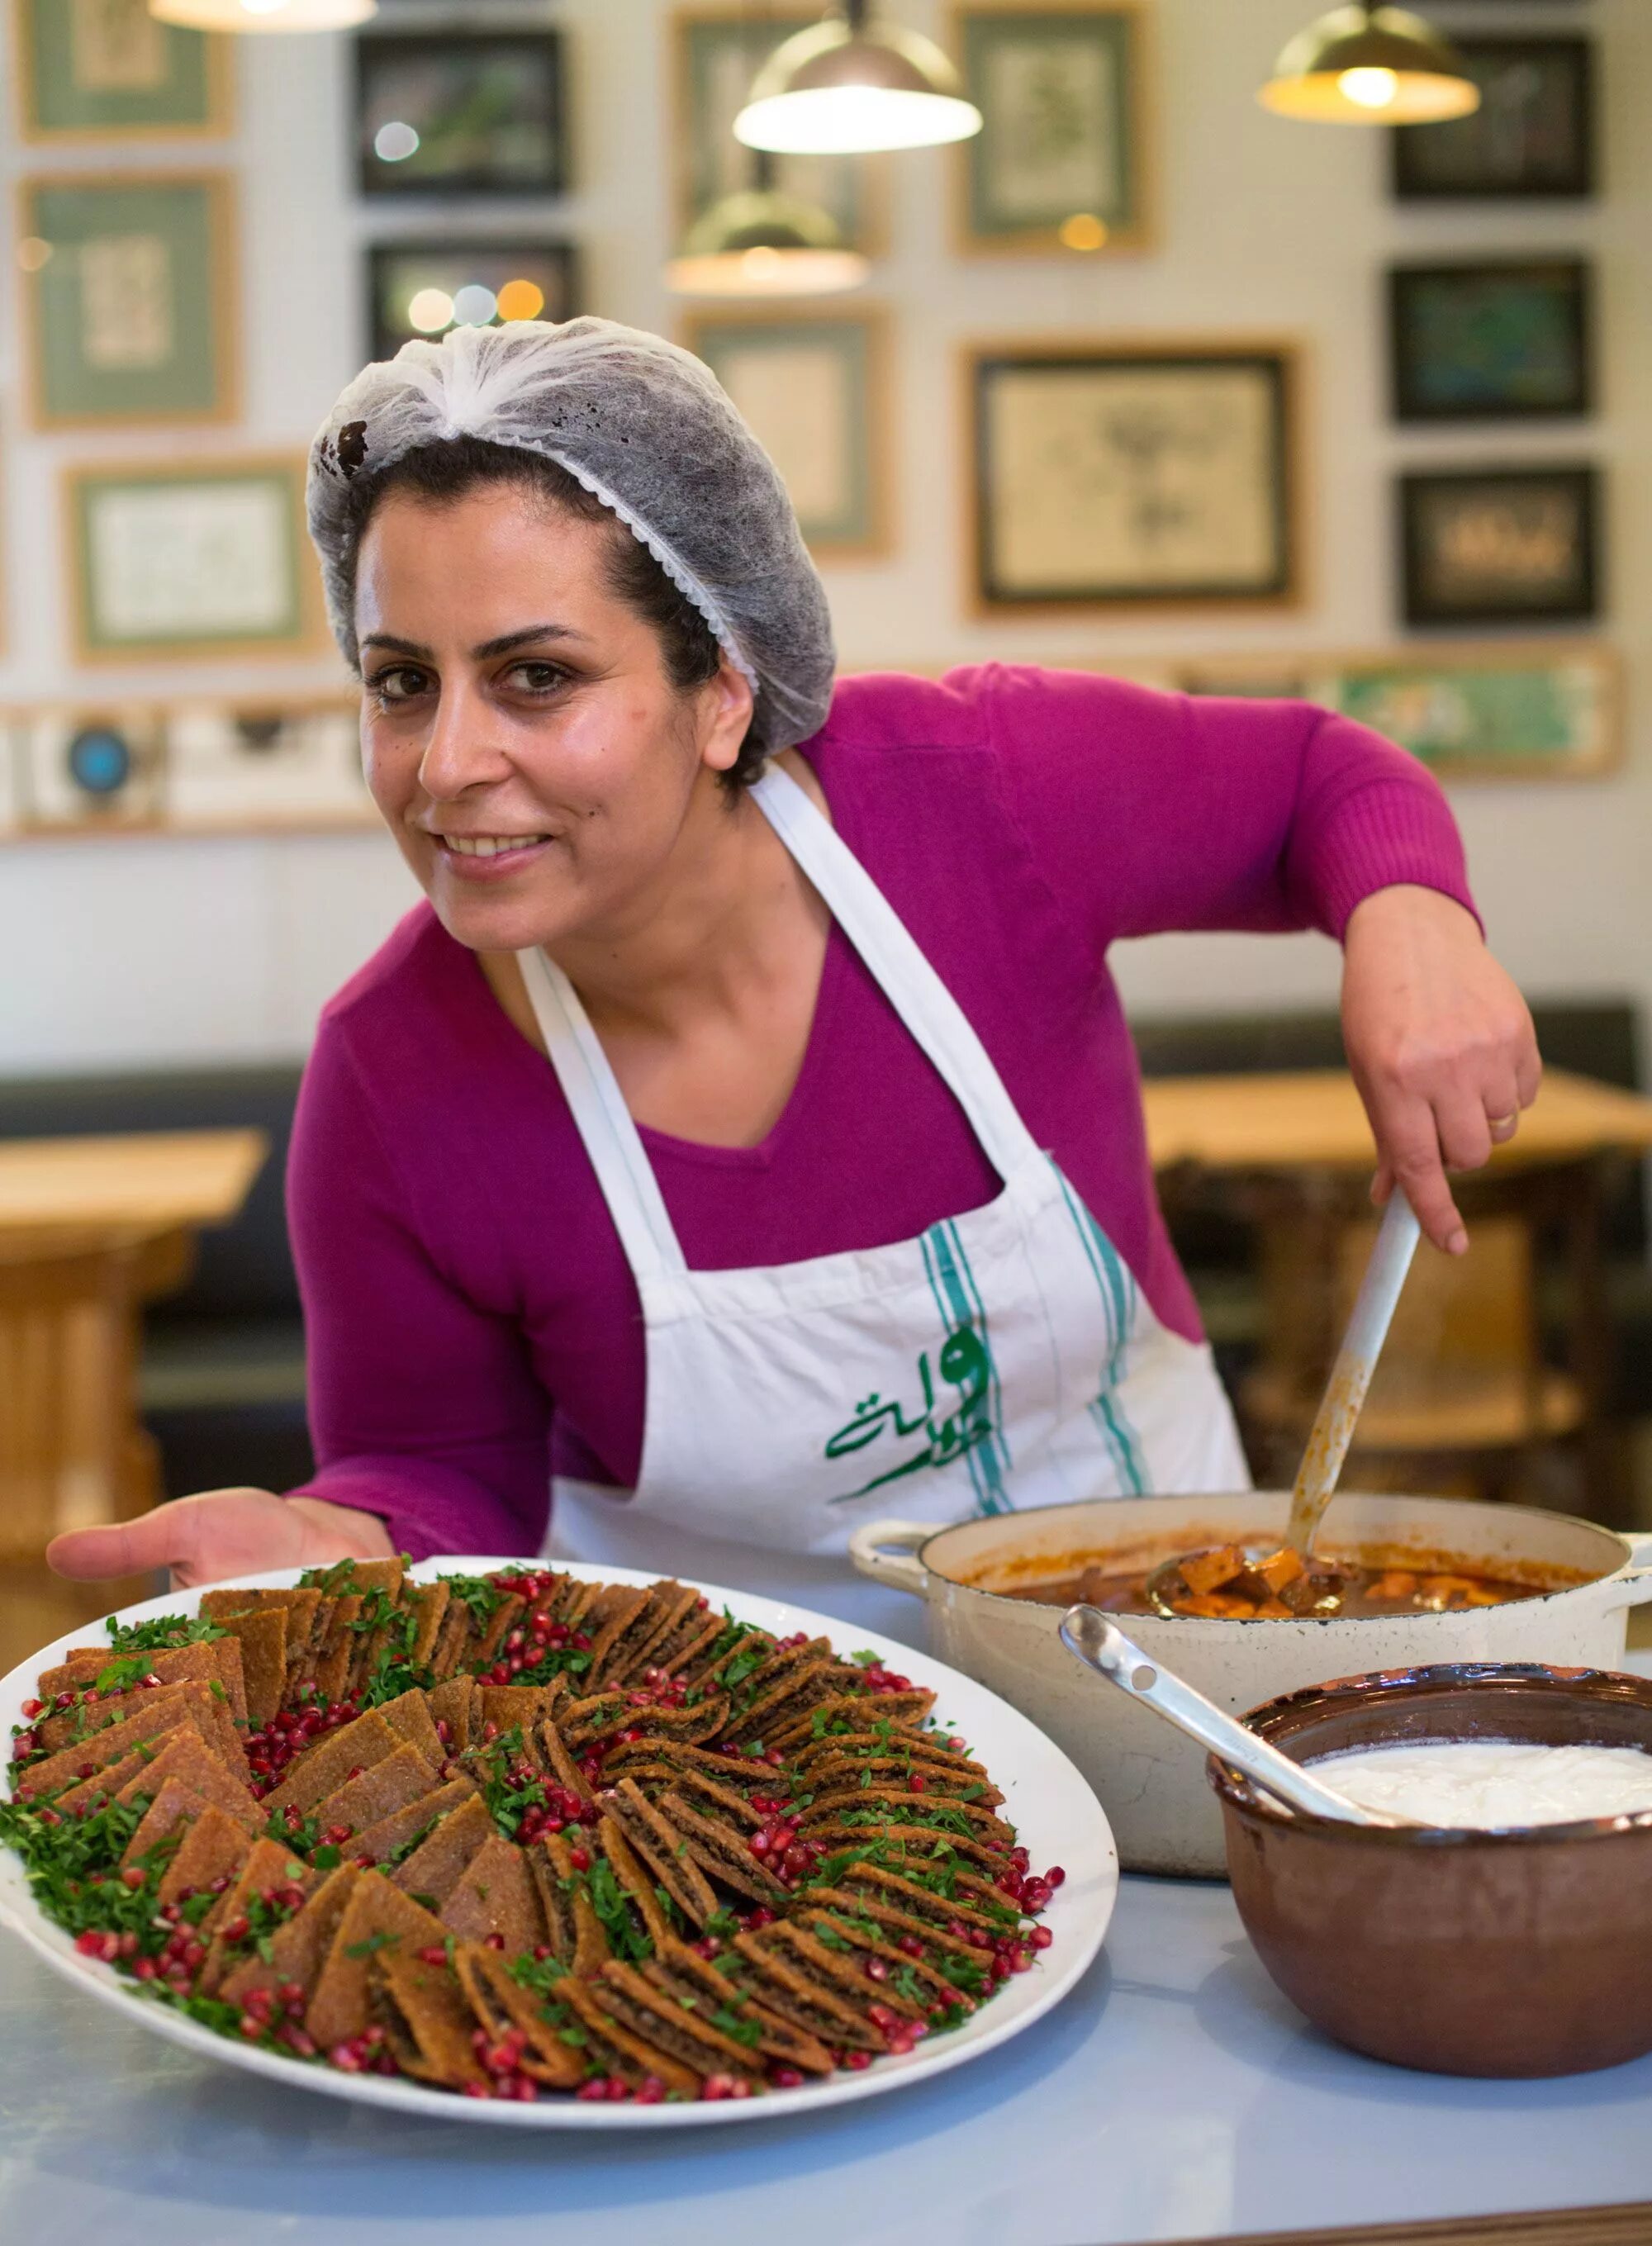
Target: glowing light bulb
(431, 311)
(475, 305)
(520, 299)
(1370, 88)
(1084, 230)
(395, 142)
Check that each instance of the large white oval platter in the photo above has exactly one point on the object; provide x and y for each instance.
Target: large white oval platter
(1058, 1821)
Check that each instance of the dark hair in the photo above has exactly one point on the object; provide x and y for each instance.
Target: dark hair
(443, 473)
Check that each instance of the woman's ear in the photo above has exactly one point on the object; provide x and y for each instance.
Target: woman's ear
(727, 703)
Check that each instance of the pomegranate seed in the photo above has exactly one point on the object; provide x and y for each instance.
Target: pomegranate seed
(786, 2077)
(856, 2061)
(237, 1929)
(1041, 1937)
(33, 1708)
(650, 2091)
(348, 2060)
(335, 1835)
(588, 2093)
(495, 1942)
(916, 1783)
(436, 1955)
(50, 1817)
(580, 1859)
(131, 1877)
(251, 2026)
(146, 1969)
(1054, 1876)
(877, 1969)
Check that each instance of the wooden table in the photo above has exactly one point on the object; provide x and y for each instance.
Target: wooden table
(90, 1228)
(1315, 1121)
(1463, 1388)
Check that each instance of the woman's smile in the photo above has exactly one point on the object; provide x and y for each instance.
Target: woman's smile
(489, 857)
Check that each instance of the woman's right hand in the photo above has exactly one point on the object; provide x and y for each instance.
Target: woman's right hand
(221, 1534)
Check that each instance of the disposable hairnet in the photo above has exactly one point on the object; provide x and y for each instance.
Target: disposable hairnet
(647, 429)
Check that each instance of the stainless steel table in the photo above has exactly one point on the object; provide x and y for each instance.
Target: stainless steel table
(1173, 2095)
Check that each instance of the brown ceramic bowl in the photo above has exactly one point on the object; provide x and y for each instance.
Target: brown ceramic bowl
(1495, 1953)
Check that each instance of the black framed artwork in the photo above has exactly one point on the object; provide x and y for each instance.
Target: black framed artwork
(428, 287)
(1133, 473)
(1500, 544)
(1532, 139)
(462, 112)
(1505, 338)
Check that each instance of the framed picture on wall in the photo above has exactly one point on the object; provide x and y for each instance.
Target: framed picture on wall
(132, 297)
(1504, 338)
(715, 52)
(1062, 159)
(814, 386)
(105, 70)
(171, 560)
(1531, 138)
(462, 112)
(1501, 545)
(427, 288)
(1501, 711)
(1108, 474)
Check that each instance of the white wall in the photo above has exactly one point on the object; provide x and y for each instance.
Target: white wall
(122, 951)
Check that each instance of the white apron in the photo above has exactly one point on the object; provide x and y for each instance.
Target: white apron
(1004, 1359)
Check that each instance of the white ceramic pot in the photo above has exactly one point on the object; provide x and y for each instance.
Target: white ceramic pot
(1150, 1779)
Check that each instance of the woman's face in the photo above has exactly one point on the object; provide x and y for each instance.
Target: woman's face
(519, 733)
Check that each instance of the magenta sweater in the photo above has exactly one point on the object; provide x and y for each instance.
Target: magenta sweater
(471, 1319)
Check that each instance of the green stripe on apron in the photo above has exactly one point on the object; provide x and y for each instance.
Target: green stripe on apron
(1110, 1275)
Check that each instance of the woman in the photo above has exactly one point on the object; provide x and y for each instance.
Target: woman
(747, 1128)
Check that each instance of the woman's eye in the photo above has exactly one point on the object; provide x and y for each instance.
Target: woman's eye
(399, 684)
(536, 677)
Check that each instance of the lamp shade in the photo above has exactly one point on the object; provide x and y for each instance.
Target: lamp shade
(848, 87)
(263, 15)
(1365, 65)
(761, 242)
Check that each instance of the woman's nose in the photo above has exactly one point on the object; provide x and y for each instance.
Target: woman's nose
(461, 750)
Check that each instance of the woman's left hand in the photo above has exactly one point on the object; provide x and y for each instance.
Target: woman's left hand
(1441, 1045)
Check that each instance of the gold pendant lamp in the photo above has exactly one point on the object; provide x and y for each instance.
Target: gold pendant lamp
(853, 84)
(1370, 65)
(263, 15)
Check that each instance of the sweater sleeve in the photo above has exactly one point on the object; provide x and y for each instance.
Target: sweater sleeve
(424, 1407)
(1149, 812)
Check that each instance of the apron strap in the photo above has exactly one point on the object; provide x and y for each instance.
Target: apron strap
(930, 1013)
(926, 1008)
(604, 1121)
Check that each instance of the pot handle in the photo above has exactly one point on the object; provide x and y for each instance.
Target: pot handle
(1635, 1582)
(865, 1550)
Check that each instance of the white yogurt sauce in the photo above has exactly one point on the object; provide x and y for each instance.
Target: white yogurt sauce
(1474, 1784)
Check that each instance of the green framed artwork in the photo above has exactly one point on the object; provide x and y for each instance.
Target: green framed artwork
(1060, 161)
(1496, 712)
(717, 52)
(104, 70)
(191, 558)
(814, 386)
(133, 296)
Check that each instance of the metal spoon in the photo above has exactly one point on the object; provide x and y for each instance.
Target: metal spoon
(1096, 1641)
(1339, 1410)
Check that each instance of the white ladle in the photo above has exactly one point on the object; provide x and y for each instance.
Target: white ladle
(1338, 1414)
(1101, 1646)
